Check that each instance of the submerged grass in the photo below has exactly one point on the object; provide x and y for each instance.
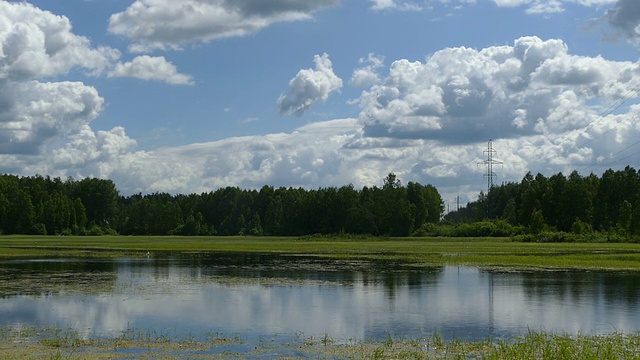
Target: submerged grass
(36, 343)
(481, 252)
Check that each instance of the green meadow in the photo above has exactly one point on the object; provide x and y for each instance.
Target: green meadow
(423, 251)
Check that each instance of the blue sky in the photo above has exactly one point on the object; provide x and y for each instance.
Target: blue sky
(190, 96)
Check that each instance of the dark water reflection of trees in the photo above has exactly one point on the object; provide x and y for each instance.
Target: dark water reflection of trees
(573, 286)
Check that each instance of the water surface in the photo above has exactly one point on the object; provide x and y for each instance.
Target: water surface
(253, 295)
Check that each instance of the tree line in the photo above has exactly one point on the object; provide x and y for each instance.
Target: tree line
(571, 204)
(574, 204)
(91, 206)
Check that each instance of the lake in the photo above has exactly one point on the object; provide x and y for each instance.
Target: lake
(253, 295)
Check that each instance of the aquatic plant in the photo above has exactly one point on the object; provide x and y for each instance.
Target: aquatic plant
(68, 344)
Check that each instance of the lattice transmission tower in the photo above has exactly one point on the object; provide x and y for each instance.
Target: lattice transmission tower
(489, 164)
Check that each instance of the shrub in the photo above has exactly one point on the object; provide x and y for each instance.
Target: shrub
(558, 236)
(109, 231)
(38, 229)
(95, 230)
(497, 228)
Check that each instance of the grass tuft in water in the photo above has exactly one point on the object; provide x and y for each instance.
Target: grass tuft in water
(43, 343)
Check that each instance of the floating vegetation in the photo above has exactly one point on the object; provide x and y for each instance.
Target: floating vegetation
(56, 283)
(37, 343)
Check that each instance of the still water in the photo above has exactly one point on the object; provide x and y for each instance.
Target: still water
(266, 295)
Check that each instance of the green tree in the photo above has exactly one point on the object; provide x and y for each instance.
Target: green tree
(273, 217)
(537, 223)
(634, 227)
(22, 213)
(510, 212)
(100, 199)
(80, 214)
(624, 220)
(391, 182)
(255, 228)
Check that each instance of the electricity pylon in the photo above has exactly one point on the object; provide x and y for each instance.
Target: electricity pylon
(489, 164)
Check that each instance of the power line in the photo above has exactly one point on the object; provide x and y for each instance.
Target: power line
(608, 111)
(613, 107)
(602, 162)
(624, 158)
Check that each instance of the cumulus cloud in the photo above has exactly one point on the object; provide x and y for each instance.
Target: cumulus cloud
(170, 24)
(151, 68)
(462, 95)
(85, 153)
(328, 153)
(93, 153)
(310, 86)
(37, 43)
(36, 116)
(308, 156)
(367, 75)
(625, 17)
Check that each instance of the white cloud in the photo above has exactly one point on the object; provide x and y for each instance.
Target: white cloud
(462, 95)
(170, 24)
(36, 115)
(45, 125)
(151, 68)
(37, 43)
(367, 76)
(532, 7)
(549, 6)
(93, 152)
(321, 154)
(310, 86)
(545, 7)
(395, 5)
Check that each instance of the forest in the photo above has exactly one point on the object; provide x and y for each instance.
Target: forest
(607, 206)
(538, 208)
(44, 206)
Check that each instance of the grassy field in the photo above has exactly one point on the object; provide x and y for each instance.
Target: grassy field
(481, 252)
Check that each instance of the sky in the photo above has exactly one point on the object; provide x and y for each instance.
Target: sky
(190, 96)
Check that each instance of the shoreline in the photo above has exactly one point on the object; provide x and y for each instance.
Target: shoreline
(32, 343)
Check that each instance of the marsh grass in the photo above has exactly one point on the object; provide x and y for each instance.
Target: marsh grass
(36, 343)
(416, 252)
(537, 345)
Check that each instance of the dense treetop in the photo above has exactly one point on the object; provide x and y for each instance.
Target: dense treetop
(573, 204)
(41, 205)
(576, 204)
